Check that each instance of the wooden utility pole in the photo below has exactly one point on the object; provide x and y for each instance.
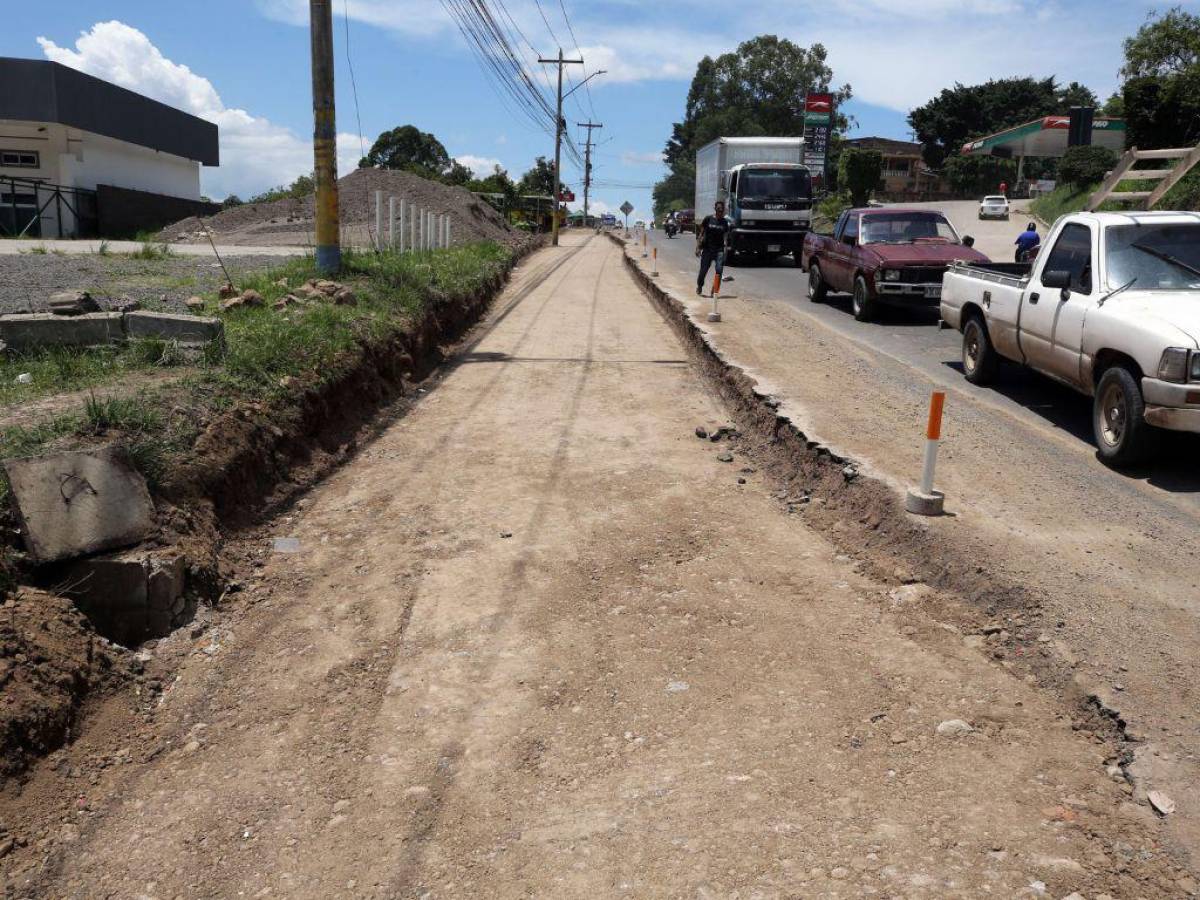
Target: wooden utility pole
(559, 127)
(587, 166)
(329, 250)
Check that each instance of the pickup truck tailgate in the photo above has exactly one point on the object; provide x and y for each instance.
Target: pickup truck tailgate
(997, 296)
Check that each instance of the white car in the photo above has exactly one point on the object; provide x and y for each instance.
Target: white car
(995, 207)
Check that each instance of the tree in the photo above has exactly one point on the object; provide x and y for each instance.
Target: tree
(964, 112)
(231, 201)
(859, 173)
(978, 174)
(756, 90)
(1114, 106)
(540, 179)
(459, 175)
(410, 149)
(1163, 46)
(1084, 166)
(302, 187)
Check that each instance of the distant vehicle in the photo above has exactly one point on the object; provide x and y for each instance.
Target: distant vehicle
(892, 256)
(994, 207)
(608, 220)
(686, 219)
(1110, 307)
(767, 190)
(670, 227)
(640, 223)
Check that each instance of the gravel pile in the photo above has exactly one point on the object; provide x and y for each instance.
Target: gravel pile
(28, 280)
(291, 222)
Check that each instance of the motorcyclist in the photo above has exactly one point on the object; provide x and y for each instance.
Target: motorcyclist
(1027, 243)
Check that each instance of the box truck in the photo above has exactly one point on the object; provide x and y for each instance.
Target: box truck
(767, 192)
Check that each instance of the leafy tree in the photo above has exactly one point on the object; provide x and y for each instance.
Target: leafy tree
(756, 90)
(859, 173)
(410, 149)
(297, 190)
(540, 179)
(1114, 106)
(1166, 45)
(1083, 166)
(231, 201)
(978, 174)
(964, 112)
(459, 175)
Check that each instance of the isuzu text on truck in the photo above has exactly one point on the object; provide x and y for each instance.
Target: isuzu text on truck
(767, 193)
(1111, 307)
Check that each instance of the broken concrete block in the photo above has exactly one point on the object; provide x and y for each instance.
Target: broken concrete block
(79, 503)
(73, 303)
(28, 332)
(174, 327)
(165, 581)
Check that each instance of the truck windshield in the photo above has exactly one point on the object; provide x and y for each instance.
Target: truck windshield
(907, 228)
(1162, 257)
(774, 184)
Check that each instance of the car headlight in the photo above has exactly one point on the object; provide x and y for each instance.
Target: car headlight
(891, 274)
(1174, 365)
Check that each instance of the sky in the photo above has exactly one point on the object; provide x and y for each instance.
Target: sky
(244, 64)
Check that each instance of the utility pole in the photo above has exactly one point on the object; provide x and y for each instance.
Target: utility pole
(329, 250)
(559, 127)
(587, 166)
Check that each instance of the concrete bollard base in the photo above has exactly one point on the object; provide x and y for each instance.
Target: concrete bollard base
(932, 504)
(714, 317)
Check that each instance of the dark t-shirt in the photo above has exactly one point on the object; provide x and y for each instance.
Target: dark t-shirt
(713, 231)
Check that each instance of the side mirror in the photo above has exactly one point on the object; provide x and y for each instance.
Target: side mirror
(1057, 278)
(724, 181)
(850, 240)
(968, 241)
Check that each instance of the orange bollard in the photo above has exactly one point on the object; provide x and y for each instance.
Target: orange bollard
(925, 500)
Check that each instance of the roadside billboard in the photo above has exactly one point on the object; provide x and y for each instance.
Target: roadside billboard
(818, 126)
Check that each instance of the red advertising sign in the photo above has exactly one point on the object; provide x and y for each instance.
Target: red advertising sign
(819, 104)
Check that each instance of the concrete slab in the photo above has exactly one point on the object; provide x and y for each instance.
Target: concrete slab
(185, 329)
(128, 597)
(28, 332)
(78, 503)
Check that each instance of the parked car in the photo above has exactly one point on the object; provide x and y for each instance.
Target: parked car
(994, 207)
(893, 255)
(1110, 307)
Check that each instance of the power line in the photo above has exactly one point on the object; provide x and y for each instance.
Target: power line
(362, 144)
(562, 5)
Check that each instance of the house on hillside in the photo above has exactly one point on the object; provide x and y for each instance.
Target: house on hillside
(905, 174)
(80, 157)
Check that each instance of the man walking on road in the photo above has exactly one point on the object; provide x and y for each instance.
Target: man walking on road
(710, 243)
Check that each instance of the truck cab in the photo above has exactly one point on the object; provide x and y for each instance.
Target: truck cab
(770, 206)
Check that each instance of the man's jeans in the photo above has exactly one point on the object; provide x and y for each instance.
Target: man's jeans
(707, 258)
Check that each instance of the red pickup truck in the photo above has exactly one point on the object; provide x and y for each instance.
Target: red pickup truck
(885, 255)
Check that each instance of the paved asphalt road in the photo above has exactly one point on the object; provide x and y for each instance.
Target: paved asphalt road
(914, 338)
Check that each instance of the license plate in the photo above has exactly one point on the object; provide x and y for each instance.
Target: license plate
(773, 248)
(933, 292)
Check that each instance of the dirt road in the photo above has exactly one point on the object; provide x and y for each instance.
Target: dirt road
(541, 640)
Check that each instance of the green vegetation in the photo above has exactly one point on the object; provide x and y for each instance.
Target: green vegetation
(151, 249)
(314, 344)
(757, 89)
(859, 173)
(1064, 199)
(1081, 166)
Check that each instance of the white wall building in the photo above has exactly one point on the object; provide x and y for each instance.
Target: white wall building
(73, 148)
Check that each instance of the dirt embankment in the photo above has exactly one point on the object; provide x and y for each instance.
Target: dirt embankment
(291, 222)
(247, 462)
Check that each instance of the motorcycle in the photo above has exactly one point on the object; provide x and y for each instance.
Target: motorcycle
(671, 228)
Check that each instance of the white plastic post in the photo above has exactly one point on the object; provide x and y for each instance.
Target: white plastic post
(421, 236)
(403, 215)
(655, 272)
(925, 501)
(391, 223)
(441, 232)
(412, 228)
(379, 220)
(448, 234)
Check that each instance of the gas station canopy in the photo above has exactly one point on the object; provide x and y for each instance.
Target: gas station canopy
(1046, 137)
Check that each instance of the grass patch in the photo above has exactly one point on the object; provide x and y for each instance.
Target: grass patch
(1062, 200)
(151, 250)
(314, 343)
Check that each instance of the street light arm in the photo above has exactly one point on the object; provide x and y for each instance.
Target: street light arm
(585, 81)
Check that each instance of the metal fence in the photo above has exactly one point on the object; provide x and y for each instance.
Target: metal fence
(32, 208)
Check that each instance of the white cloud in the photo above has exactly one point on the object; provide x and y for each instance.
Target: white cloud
(481, 166)
(255, 153)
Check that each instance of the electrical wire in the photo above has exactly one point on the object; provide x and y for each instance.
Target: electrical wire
(362, 144)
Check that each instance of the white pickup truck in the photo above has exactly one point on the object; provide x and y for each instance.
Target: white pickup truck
(1111, 307)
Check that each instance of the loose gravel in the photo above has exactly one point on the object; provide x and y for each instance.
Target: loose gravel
(28, 280)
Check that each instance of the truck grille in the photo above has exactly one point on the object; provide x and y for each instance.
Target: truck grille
(922, 274)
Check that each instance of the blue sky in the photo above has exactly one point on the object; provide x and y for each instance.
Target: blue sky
(244, 64)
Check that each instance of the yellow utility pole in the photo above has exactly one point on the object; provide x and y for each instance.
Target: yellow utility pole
(329, 249)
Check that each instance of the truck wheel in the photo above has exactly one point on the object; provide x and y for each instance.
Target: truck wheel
(864, 306)
(817, 290)
(979, 357)
(1118, 419)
